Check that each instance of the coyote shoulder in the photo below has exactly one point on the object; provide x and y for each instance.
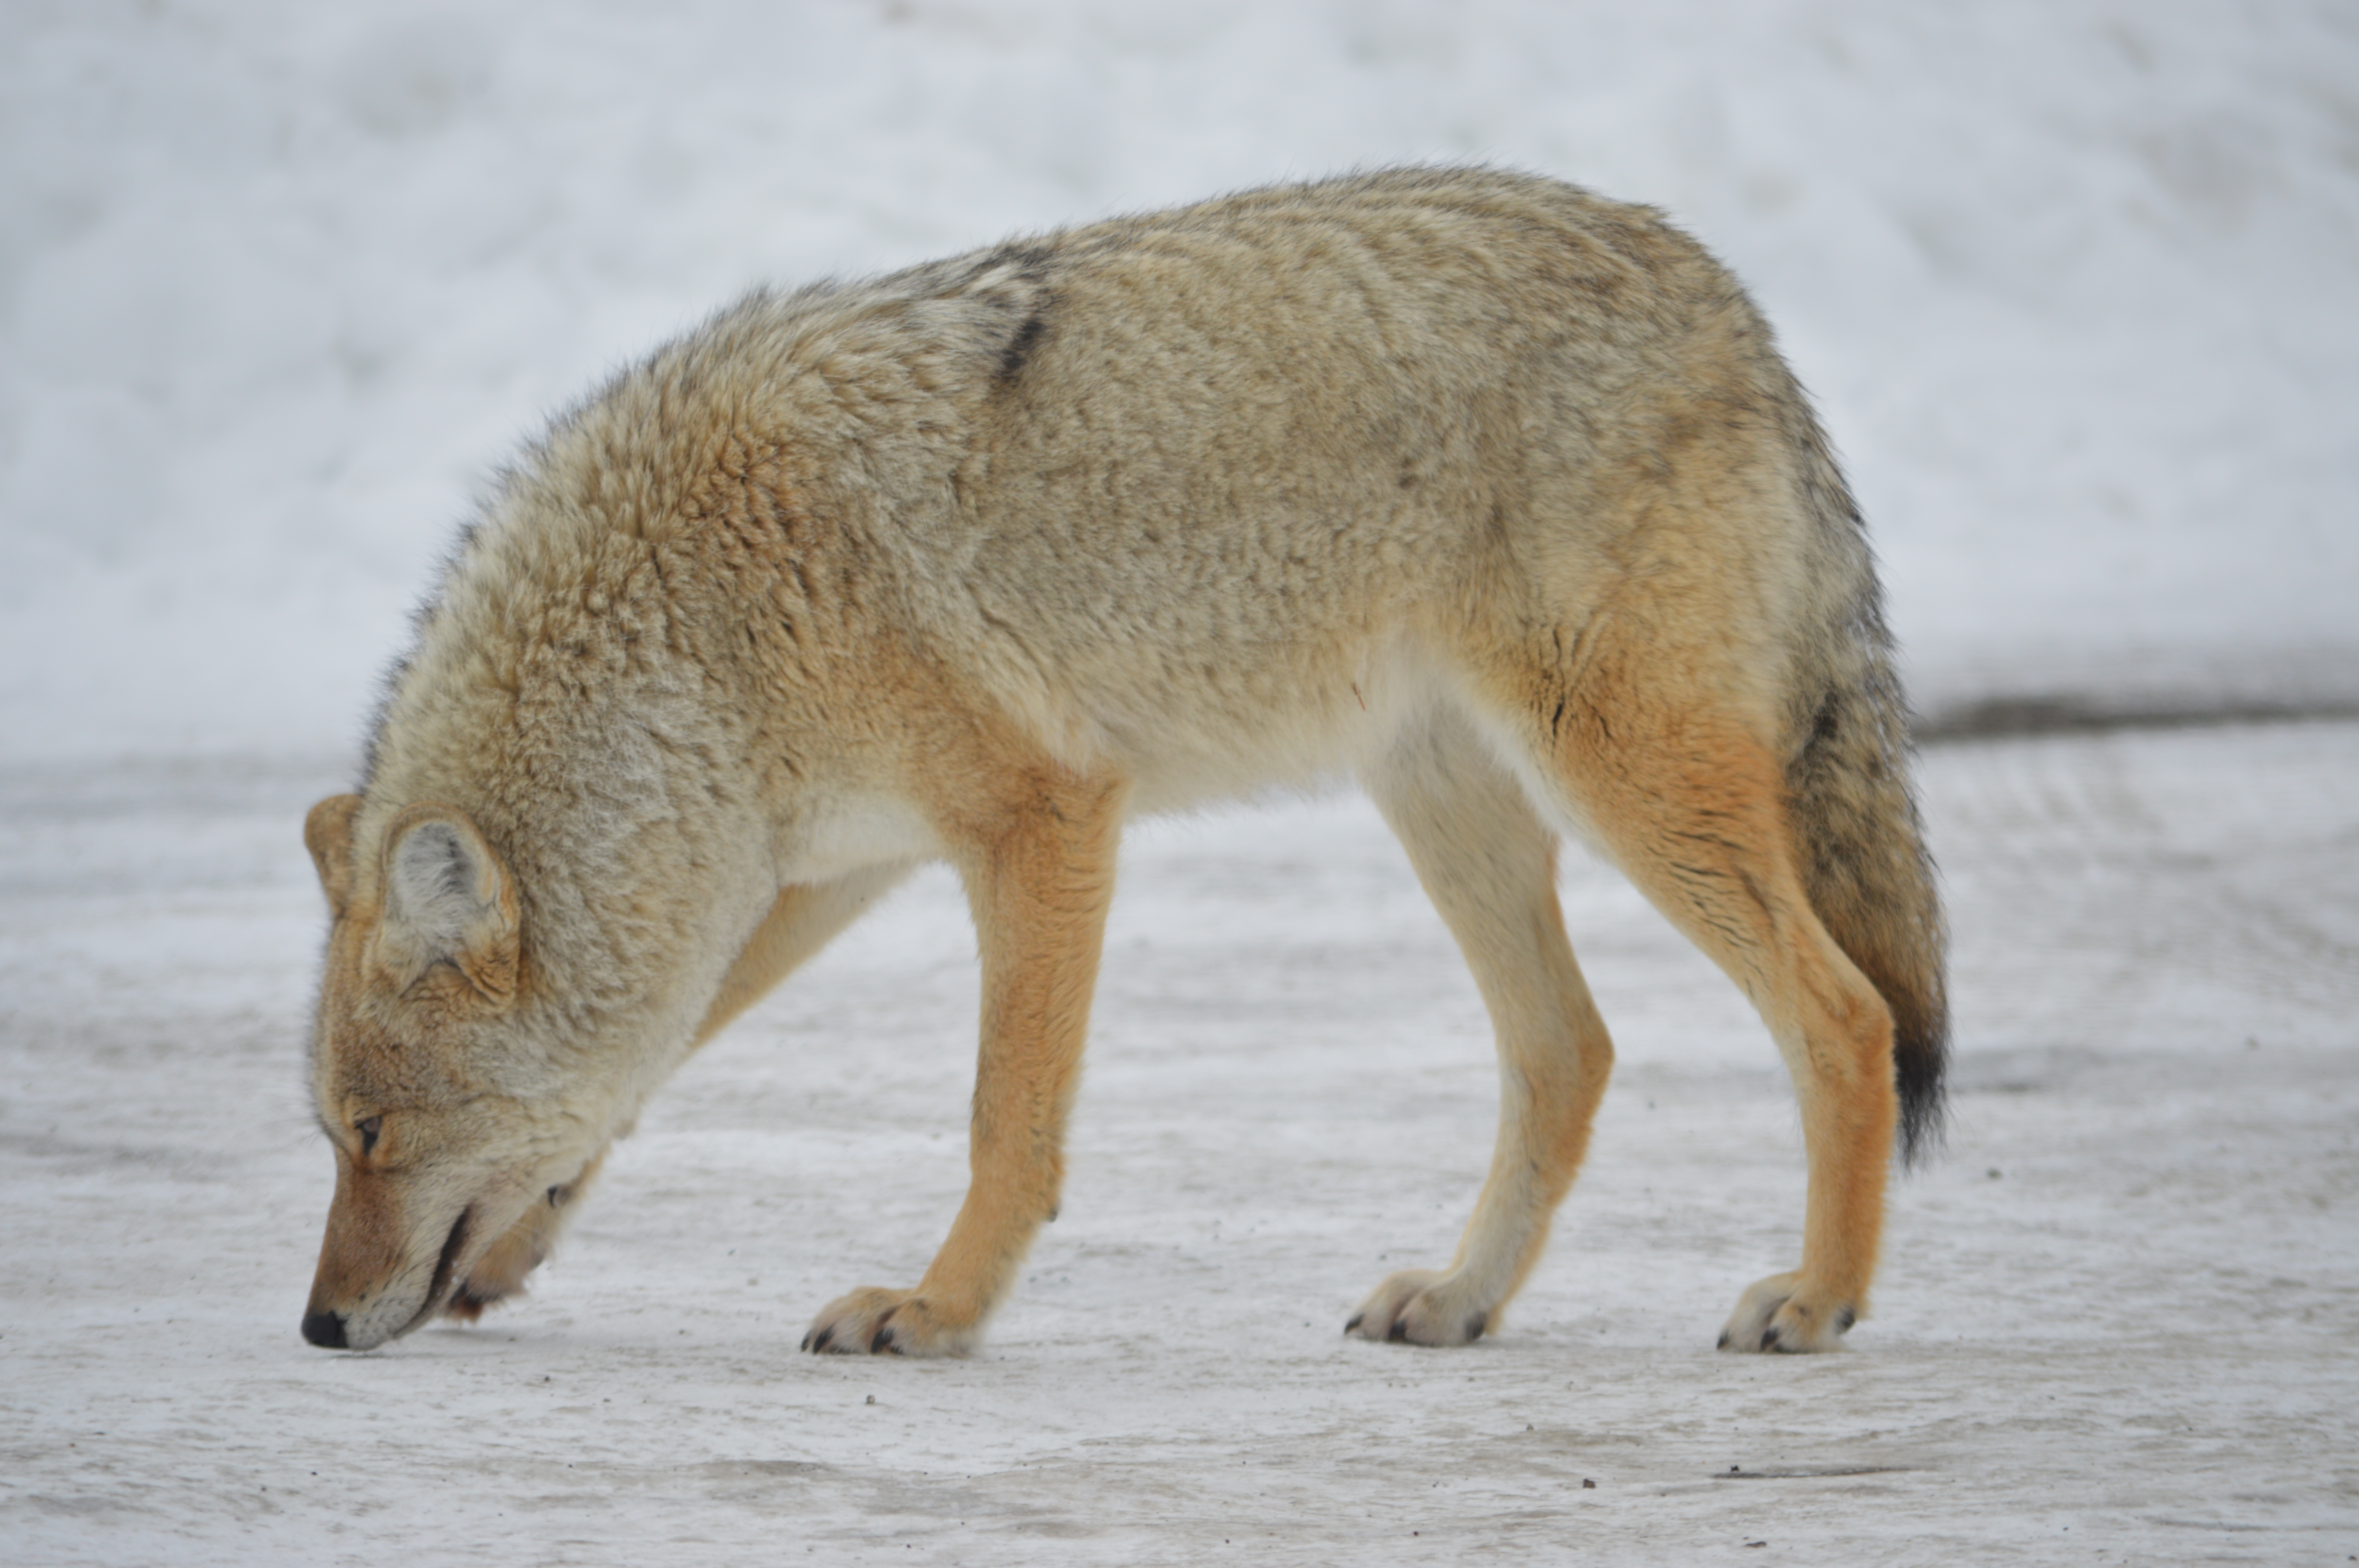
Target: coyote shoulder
(1488, 493)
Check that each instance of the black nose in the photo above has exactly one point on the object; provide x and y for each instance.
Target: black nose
(324, 1329)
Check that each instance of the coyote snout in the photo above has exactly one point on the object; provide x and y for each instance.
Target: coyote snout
(1475, 487)
(362, 1329)
(379, 1276)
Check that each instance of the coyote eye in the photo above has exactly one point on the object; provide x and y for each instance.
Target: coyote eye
(368, 1130)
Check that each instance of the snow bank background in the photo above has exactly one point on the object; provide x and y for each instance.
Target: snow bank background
(2077, 285)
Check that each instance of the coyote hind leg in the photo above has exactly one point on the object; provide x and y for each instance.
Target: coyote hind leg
(1488, 863)
(1686, 797)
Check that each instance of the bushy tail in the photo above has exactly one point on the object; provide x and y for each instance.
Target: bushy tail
(1862, 845)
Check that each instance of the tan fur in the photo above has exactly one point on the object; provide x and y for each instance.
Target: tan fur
(1488, 492)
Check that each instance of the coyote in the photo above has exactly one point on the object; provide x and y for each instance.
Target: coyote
(1490, 493)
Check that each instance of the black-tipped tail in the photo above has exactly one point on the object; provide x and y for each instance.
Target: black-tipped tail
(1872, 884)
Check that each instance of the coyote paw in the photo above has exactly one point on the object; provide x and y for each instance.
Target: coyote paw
(1421, 1306)
(874, 1320)
(1780, 1313)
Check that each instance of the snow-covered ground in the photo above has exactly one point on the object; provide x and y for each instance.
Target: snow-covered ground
(2078, 285)
(2115, 1324)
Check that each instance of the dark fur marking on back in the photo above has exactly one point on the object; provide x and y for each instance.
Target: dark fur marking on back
(1012, 358)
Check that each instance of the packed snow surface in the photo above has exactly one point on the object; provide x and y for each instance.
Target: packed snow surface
(2116, 1316)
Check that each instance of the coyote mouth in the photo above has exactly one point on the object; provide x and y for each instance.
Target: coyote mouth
(437, 1292)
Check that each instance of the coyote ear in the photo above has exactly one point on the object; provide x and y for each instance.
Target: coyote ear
(328, 834)
(448, 899)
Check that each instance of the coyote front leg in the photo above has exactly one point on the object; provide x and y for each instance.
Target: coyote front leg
(1039, 874)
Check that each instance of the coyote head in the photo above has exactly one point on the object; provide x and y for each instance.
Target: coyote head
(454, 1145)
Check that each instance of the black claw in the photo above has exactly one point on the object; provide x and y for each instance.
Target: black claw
(1723, 1340)
(1769, 1340)
(1357, 1318)
(1477, 1325)
(1399, 1334)
(1844, 1319)
(817, 1344)
(883, 1341)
